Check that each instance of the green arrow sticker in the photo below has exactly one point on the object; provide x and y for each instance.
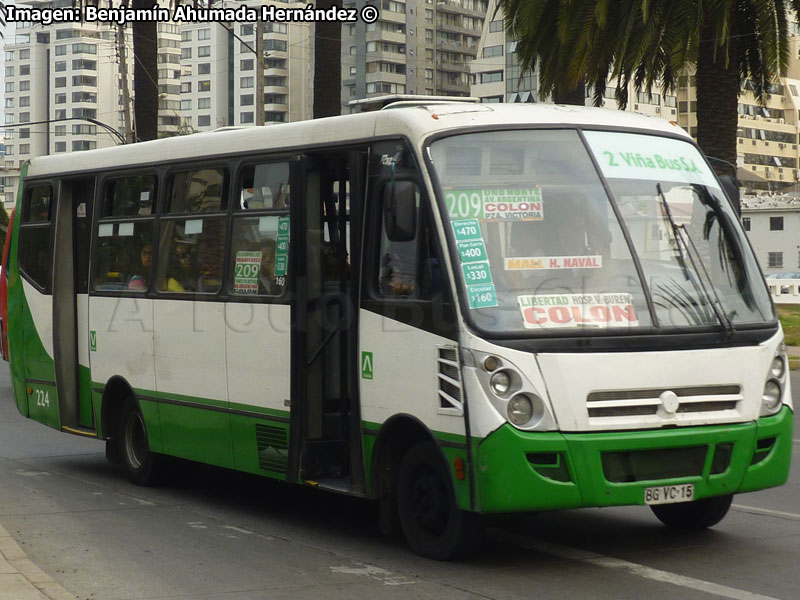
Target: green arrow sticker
(366, 365)
(93, 341)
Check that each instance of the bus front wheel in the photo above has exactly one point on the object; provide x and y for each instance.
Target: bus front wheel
(699, 514)
(141, 465)
(432, 522)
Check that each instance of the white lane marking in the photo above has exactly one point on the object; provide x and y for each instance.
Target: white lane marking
(608, 562)
(377, 573)
(197, 525)
(767, 512)
(239, 529)
(142, 501)
(34, 474)
(675, 579)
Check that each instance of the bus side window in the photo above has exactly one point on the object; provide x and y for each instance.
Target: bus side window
(265, 187)
(260, 232)
(124, 256)
(408, 269)
(192, 248)
(200, 190)
(254, 250)
(35, 244)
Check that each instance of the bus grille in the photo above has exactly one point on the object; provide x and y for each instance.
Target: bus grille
(450, 389)
(643, 402)
(272, 447)
(649, 465)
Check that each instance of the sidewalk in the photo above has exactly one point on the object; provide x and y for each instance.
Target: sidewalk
(20, 579)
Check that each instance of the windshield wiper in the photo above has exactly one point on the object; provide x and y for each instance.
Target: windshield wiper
(716, 303)
(675, 233)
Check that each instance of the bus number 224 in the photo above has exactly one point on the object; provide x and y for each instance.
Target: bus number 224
(42, 398)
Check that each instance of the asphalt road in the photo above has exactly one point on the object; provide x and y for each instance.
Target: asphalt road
(213, 534)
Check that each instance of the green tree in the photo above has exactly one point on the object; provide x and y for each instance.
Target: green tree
(650, 42)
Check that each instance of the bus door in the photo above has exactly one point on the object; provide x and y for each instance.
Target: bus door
(71, 342)
(31, 343)
(326, 232)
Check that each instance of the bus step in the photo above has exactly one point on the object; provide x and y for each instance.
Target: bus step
(340, 485)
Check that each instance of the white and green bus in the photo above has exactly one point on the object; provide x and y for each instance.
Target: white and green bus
(456, 309)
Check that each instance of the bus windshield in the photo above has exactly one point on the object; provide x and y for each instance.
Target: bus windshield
(542, 247)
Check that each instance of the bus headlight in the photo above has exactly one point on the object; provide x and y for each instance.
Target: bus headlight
(500, 383)
(520, 409)
(771, 400)
(526, 410)
(778, 367)
(490, 363)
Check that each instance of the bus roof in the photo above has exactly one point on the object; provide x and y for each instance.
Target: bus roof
(415, 122)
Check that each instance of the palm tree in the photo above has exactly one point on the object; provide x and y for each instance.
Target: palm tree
(727, 42)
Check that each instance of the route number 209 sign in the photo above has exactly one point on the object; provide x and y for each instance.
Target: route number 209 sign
(495, 204)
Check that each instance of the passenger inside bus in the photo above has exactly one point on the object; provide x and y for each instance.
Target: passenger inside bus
(210, 251)
(141, 277)
(572, 226)
(181, 274)
(267, 286)
(398, 270)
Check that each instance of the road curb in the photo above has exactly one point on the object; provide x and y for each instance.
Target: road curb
(20, 579)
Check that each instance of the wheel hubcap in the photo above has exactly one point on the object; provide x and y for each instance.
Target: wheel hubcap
(135, 445)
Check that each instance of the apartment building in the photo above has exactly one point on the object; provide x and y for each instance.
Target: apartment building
(497, 76)
(767, 135)
(219, 73)
(60, 75)
(767, 150)
(415, 47)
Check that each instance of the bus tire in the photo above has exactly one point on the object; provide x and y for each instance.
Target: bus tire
(431, 520)
(141, 466)
(113, 454)
(699, 514)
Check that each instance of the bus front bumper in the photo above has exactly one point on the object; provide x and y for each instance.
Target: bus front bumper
(521, 471)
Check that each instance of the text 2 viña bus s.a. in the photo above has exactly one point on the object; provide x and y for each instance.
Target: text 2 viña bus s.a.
(456, 309)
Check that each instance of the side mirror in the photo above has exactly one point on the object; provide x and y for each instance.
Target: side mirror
(400, 210)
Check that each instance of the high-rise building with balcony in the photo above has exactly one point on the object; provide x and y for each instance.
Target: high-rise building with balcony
(497, 76)
(219, 73)
(767, 140)
(415, 47)
(766, 144)
(64, 88)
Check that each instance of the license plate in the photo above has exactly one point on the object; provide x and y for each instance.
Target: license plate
(669, 494)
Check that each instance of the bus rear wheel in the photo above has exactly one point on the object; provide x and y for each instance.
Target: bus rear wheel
(141, 465)
(431, 520)
(699, 514)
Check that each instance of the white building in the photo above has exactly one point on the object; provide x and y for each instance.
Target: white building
(773, 225)
(418, 47)
(218, 67)
(59, 78)
(497, 76)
